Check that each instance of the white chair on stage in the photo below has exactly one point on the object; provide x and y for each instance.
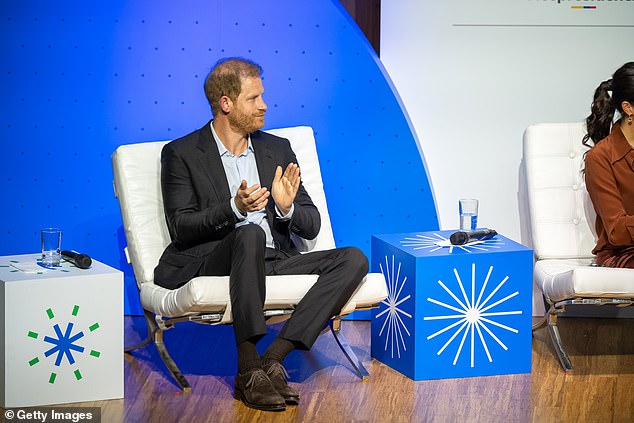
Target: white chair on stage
(206, 299)
(560, 221)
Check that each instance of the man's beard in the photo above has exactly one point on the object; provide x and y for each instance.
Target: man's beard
(244, 122)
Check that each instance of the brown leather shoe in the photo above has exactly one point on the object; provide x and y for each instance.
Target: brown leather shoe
(255, 390)
(278, 376)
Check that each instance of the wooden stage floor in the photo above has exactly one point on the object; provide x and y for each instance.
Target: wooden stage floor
(600, 390)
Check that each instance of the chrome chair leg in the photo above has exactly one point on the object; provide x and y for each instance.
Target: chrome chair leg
(148, 338)
(553, 329)
(335, 327)
(156, 327)
(538, 323)
(169, 362)
(155, 335)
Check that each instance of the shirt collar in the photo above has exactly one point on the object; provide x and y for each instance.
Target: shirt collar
(621, 146)
(221, 147)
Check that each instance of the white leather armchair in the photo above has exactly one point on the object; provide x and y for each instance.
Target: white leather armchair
(206, 299)
(560, 222)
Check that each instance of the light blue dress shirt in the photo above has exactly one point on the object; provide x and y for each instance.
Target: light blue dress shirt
(244, 167)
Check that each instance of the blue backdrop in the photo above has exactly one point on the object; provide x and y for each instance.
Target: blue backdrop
(80, 79)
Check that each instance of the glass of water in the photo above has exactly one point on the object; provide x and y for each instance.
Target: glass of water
(468, 208)
(51, 245)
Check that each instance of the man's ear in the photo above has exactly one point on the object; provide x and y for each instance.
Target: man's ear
(226, 104)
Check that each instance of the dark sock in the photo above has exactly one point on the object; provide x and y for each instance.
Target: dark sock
(278, 350)
(248, 357)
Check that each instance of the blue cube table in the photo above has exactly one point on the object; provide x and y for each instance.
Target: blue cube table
(453, 311)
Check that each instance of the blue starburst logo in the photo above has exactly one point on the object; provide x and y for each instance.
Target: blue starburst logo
(64, 345)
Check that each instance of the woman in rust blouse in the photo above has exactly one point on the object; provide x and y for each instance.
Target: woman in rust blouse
(609, 168)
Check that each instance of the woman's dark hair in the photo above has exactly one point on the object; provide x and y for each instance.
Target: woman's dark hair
(599, 122)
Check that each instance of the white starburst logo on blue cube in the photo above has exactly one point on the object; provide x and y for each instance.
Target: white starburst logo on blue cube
(438, 242)
(394, 327)
(472, 313)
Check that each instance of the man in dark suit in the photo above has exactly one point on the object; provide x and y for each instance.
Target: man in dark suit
(233, 195)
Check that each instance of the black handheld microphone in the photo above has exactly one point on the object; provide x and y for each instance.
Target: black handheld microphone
(462, 238)
(82, 261)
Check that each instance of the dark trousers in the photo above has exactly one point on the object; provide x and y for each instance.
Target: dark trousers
(244, 257)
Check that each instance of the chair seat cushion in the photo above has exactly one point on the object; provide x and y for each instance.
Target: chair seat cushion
(211, 294)
(575, 278)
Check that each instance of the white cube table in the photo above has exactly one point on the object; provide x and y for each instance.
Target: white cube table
(61, 334)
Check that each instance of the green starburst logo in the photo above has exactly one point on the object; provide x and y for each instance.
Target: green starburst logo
(64, 344)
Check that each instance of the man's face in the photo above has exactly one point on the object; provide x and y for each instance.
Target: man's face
(249, 108)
